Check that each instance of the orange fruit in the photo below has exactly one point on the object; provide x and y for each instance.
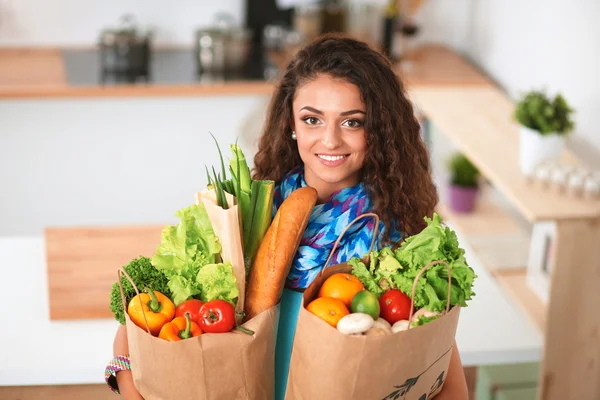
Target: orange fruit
(328, 309)
(341, 286)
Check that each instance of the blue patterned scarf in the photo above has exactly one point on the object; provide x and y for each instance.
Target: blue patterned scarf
(326, 223)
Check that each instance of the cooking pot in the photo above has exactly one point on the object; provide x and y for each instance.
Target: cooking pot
(223, 47)
(125, 50)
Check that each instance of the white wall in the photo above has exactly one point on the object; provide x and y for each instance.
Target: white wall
(113, 161)
(543, 43)
(79, 22)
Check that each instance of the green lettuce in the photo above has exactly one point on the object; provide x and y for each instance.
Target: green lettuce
(422, 320)
(364, 275)
(217, 281)
(189, 255)
(399, 268)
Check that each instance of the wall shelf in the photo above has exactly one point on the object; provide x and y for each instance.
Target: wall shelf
(478, 121)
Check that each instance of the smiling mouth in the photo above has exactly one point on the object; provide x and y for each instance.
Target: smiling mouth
(332, 158)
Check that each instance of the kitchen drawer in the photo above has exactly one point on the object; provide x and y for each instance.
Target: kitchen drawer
(516, 394)
(507, 382)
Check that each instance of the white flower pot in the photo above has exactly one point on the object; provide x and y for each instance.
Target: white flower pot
(535, 148)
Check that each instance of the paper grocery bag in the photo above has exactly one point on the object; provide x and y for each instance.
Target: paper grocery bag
(212, 366)
(407, 365)
(228, 228)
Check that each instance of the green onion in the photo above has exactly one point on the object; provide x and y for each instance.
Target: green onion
(258, 219)
(239, 164)
(221, 199)
(238, 186)
(254, 199)
(209, 181)
(224, 177)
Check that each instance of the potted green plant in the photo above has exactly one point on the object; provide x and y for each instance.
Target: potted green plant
(464, 184)
(545, 123)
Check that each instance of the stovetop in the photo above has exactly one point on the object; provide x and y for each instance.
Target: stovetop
(167, 66)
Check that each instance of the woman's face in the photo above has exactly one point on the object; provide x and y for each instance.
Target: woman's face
(329, 123)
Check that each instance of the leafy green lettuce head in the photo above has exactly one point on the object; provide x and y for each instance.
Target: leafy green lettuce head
(185, 250)
(400, 268)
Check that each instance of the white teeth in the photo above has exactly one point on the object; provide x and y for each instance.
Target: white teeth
(330, 158)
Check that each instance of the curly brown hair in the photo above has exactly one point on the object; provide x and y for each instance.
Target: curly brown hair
(396, 170)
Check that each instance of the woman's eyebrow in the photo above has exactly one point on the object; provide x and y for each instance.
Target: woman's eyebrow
(311, 109)
(345, 113)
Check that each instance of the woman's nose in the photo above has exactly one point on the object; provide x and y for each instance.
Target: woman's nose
(331, 137)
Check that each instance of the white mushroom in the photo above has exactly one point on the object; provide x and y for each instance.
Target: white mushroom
(424, 313)
(379, 331)
(355, 323)
(401, 325)
(382, 323)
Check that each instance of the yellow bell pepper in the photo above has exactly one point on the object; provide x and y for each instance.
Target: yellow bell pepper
(157, 307)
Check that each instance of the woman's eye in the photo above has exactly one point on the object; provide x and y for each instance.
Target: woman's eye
(353, 123)
(311, 120)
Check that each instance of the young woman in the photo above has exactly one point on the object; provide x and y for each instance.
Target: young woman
(339, 121)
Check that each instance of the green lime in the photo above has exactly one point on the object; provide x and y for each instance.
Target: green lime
(365, 302)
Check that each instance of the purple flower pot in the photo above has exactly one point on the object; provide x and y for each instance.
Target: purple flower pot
(462, 199)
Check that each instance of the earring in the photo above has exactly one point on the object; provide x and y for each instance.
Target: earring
(294, 135)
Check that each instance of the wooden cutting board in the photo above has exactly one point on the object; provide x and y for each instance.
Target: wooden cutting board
(82, 266)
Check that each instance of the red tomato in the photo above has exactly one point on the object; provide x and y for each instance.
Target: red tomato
(191, 306)
(217, 316)
(395, 306)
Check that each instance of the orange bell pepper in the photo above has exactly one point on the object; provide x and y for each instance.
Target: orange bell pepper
(158, 308)
(180, 328)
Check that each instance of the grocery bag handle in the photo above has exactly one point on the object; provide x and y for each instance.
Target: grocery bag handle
(339, 239)
(121, 272)
(414, 288)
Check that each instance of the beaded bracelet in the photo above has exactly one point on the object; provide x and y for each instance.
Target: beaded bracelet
(119, 363)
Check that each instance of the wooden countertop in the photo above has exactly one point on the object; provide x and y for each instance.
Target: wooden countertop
(40, 73)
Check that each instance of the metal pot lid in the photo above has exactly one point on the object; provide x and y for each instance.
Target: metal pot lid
(128, 31)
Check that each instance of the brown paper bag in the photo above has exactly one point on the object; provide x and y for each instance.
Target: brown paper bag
(327, 364)
(212, 366)
(228, 228)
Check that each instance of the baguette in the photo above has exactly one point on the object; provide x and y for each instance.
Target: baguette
(277, 250)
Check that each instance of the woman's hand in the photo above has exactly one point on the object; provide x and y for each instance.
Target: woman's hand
(455, 387)
(124, 378)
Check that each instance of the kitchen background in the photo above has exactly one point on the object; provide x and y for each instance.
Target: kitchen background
(519, 44)
(82, 153)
